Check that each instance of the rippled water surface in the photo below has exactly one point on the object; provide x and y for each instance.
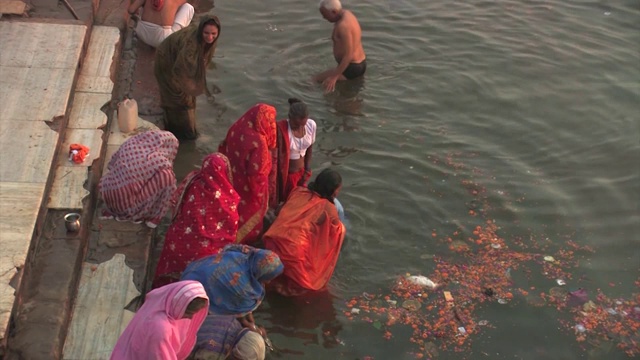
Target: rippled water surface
(536, 102)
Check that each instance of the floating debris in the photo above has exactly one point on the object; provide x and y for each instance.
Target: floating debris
(459, 245)
(577, 297)
(412, 305)
(422, 281)
(589, 306)
(473, 267)
(558, 292)
(368, 296)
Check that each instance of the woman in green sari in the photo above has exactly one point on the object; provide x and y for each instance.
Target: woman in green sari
(180, 69)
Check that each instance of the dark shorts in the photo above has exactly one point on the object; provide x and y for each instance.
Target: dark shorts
(355, 70)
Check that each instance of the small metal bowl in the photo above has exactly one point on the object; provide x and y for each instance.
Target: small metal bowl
(72, 222)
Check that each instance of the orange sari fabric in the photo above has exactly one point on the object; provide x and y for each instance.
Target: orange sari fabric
(307, 235)
(248, 146)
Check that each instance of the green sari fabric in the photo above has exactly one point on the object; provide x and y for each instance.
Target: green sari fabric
(180, 69)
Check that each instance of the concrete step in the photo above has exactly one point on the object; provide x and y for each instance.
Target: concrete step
(43, 307)
(99, 315)
(37, 71)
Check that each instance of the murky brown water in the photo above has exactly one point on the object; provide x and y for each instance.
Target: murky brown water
(536, 103)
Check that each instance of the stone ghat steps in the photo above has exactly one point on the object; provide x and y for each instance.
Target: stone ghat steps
(37, 73)
(41, 317)
(112, 278)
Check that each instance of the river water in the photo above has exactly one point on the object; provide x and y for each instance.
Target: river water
(536, 103)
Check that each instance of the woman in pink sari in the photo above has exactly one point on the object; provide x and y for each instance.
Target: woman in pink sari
(166, 325)
(140, 181)
(205, 218)
(248, 146)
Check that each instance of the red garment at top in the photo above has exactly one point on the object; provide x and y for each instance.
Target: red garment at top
(307, 236)
(248, 146)
(205, 219)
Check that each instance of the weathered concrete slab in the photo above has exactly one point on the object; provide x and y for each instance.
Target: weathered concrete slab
(38, 63)
(67, 190)
(95, 75)
(12, 7)
(27, 150)
(34, 93)
(19, 206)
(41, 45)
(92, 138)
(99, 316)
(86, 113)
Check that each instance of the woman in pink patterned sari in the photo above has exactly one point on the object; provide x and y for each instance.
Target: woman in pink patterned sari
(140, 180)
(205, 219)
(248, 146)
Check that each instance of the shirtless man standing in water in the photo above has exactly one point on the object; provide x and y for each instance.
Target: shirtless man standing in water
(347, 45)
(160, 18)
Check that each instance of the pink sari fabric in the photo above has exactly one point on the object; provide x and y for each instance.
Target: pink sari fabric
(140, 181)
(158, 331)
(205, 220)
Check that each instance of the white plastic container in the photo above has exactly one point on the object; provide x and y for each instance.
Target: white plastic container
(422, 281)
(127, 115)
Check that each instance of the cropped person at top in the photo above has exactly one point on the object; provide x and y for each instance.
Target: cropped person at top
(160, 18)
(347, 45)
(235, 279)
(140, 180)
(166, 325)
(307, 235)
(296, 136)
(180, 69)
(223, 337)
(205, 218)
(248, 145)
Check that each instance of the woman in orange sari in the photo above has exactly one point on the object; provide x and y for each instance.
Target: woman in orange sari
(248, 146)
(205, 219)
(307, 235)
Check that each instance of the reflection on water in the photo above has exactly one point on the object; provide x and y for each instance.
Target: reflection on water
(530, 107)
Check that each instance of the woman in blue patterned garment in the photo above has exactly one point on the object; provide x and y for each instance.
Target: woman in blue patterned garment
(235, 278)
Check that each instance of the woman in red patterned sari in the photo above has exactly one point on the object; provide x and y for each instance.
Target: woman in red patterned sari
(205, 219)
(248, 146)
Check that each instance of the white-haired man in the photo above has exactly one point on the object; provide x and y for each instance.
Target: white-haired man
(347, 45)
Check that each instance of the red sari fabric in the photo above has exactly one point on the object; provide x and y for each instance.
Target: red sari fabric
(307, 235)
(205, 219)
(248, 146)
